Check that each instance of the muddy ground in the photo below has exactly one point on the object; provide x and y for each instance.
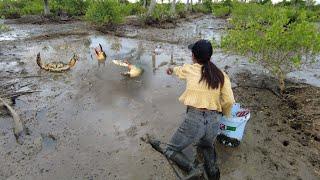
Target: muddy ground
(87, 123)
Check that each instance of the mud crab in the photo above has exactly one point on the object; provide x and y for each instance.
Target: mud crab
(57, 66)
(101, 55)
(134, 70)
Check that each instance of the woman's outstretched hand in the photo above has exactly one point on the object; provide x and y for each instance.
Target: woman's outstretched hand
(169, 71)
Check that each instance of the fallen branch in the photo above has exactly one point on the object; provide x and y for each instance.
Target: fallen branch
(13, 77)
(18, 129)
(16, 94)
(8, 84)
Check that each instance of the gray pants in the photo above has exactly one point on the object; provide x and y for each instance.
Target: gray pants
(200, 127)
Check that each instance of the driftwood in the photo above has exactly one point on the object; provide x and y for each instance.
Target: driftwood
(18, 129)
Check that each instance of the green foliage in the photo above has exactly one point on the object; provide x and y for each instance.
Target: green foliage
(281, 39)
(147, 2)
(32, 7)
(4, 28)
(162, 13)
(15, 9)
(207, 5)
(135, 9)
(296, 3)
(200, 8)
(105, 12)
(181, 10)
(214, 43)
(71, 7)
(264, 2)
(220, 10)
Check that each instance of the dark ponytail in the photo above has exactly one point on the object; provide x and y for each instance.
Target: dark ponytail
(210, 73)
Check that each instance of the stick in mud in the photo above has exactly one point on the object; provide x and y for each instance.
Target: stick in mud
(18, 129)
(22, 77)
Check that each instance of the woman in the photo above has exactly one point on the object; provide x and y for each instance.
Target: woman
(208, 94)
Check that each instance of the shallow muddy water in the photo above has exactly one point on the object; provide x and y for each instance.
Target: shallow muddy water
(86, 123)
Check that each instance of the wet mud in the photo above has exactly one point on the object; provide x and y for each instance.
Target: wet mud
(87, 123)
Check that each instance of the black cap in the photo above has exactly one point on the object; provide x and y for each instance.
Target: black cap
(201, 49)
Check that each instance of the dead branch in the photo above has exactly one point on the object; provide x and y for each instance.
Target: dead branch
(16, 94)
(13, 77)
(8, 84)
(17, 123)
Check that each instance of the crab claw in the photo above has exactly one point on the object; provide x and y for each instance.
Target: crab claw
(75, 56)
(125, 73)
(126, 61)
(100, 47)
(96, 51)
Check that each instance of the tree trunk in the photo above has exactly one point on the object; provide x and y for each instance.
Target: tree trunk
(46, 7)
(187, 5)
(191, 5)
(281, 79)
(144, 3)
(173, 7)
(151, 7)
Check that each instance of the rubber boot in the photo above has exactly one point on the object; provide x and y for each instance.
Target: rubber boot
(181, 160)
(156, 144)
(210, 163)
(194, 172)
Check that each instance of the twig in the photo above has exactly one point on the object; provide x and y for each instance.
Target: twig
(16, 94)
(17, 124)
(12, 77)
(8, 84)
(22, 86)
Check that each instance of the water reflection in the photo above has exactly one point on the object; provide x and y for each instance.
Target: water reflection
(153, 56)
(171, 57)
(140, 51)
(116, 45)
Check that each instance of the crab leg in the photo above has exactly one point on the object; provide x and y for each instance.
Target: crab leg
(120, 63)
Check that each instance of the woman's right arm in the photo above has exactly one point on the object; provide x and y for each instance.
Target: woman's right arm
(227, 98)
(180, 71)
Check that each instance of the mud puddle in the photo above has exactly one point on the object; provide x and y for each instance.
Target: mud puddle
(96, 116)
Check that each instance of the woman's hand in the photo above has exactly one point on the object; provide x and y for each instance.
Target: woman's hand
(169, 71)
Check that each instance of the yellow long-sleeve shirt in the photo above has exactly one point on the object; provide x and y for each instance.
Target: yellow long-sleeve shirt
(199, 95)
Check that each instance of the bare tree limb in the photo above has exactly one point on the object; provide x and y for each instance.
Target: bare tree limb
(17, 123)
